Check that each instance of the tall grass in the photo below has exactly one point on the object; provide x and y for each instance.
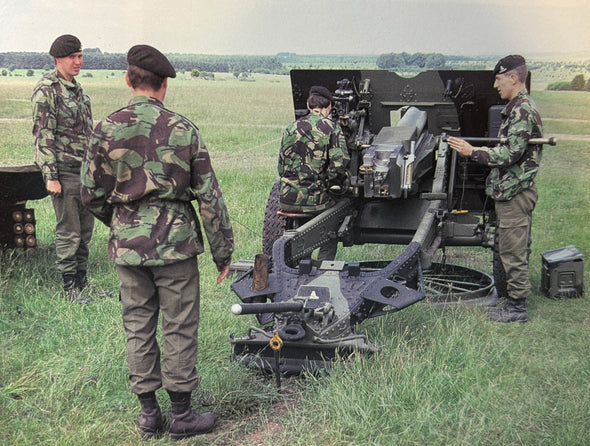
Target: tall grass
(443, 376)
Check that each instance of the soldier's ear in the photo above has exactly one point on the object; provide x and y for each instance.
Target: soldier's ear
(127, 81)
(514, 78)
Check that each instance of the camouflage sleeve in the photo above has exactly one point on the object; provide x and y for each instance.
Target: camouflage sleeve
(212, 209)
(519, 131)
(285, 158)
(44, 125)
(94, 197)
(338, 154)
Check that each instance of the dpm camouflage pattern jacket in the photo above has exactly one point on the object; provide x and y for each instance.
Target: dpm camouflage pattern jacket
(62, 122)
(143, 166)
(515, 163)
(313, 153)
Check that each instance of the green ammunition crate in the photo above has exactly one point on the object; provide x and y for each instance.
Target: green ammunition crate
(562, 273)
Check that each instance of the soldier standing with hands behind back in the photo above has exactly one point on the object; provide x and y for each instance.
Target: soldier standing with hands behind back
(144, 166)
(511, 182)
(62, 122)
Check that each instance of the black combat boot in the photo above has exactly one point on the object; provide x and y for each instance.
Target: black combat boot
(71, 290)
(183, 421)
(150, 421)
(514, 310)
(83, 285)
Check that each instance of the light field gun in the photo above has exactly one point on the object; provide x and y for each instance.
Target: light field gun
(406, 187)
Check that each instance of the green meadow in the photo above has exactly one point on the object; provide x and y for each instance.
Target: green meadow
(445, 376)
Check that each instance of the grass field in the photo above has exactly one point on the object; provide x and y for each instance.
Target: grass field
(444, 376)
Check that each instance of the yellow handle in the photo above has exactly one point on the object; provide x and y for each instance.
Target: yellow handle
(276, 343)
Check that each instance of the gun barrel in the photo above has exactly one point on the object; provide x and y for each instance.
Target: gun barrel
(552, 141)
(272, 307)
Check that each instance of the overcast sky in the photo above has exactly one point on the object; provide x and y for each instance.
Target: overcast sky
(267, 27)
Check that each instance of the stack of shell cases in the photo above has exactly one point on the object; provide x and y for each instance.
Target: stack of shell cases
(17, 228)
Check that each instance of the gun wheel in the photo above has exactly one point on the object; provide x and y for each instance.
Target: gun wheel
(454, 284)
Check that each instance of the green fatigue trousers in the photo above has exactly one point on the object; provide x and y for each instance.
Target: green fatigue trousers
(514, 232)
(74, 225)
(173, 291)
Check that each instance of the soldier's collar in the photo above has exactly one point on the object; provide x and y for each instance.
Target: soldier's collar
(140, 99)
(522, 93)
(67, 83)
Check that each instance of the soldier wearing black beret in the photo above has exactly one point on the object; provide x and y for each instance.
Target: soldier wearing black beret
(145, 165)
(511, 183)
(150, 59)
(313, 158)
(62, 120)
(319, 90)
(65, 45)
(509, 63)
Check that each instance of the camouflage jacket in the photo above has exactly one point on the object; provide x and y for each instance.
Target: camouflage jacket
(62, 121)
(515, 163)
(143, 166)
(313, 154)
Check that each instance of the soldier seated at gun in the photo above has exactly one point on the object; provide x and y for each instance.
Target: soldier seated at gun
(313, 156)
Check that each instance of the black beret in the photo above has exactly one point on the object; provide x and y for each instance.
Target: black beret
(508, 63)
(320, 91)
(65, 45)
(150, 59)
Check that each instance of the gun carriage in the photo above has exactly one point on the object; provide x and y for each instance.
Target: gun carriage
(406, 187)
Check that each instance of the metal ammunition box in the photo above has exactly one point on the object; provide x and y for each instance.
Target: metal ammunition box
(562, 273)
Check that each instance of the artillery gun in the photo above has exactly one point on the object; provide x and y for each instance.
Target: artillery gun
(405, 187)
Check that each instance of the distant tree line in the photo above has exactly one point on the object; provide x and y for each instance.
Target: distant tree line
(282, 63)
(301, 60)
(578, 83)
(226, 64)
(95, 59)
(406, 60)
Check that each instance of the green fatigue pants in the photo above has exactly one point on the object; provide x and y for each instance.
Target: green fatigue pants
(514, 232)
(74, 225)
(173, 291)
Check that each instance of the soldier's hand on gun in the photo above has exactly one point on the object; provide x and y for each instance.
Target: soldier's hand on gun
(222, 273)
(340, 185)
(53, 187)
(460, 145)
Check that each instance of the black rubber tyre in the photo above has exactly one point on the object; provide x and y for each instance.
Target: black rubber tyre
(274, 224)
